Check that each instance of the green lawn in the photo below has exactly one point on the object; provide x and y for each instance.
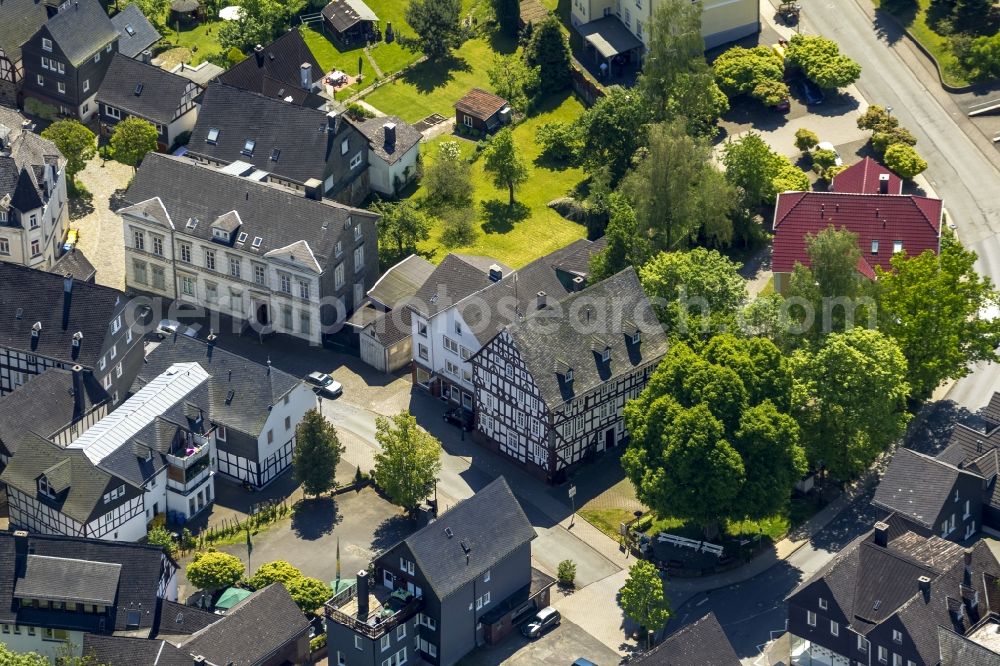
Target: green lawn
(531, 229)
(200, 38)
(939, 45)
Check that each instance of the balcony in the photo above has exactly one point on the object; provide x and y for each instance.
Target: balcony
(386, 609)
(188, 451)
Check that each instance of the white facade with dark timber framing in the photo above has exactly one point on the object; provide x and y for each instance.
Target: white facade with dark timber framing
(551, 389)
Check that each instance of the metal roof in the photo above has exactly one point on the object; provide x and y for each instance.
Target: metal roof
(166, 390)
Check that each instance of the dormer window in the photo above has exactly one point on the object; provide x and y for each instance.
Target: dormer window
(568, 375)
(248, 147)
(606, 354)
(636, 337)
(256, 242)
(220, 433)
(213, 136)
(220, 234)
(44, 488)
(275, 154)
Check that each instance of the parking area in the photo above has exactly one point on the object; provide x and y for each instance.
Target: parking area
(561, 646)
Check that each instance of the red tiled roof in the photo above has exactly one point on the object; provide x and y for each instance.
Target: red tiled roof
(862, 178)
(480, 104)
(886, 218)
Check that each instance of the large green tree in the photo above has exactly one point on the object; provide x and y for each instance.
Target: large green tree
(437, 24)
(694, 291)
(513, 79)
(821, 61)
(258, 23)
(508, 14)
(308, 593)
(548, 50)
(408, 461)
(851, 400)
(904, 160)
(504, 163)
(624, 246)
(214, 570)
(316, 454)
(643, 597)
(132, 139)
(402, 226)
(755, 170)
(76, 143)
(679, 196)
(940, 312)
(276, 571)
(773, 460)
(448, 177)
(613, 130)
(756, 72)
(154, 10)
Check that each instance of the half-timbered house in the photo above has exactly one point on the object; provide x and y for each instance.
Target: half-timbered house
(550, 389)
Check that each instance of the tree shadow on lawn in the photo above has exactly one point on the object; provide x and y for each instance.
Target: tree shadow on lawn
(499, 217)
(432, 74)
(391, 531)
(315, 517)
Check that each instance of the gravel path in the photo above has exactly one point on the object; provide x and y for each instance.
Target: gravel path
(101, 236)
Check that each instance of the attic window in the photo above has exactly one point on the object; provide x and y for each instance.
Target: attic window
(448, 533)
(192, 223)
(130, 30)
(637, 337)
(229, 398)
(256, 242)
(132, 618)
(138, 89)
(242, 237)
(213, 136)
(275, 154)
(19, 314)
(606, 354)
(465, 547)
(248, 147)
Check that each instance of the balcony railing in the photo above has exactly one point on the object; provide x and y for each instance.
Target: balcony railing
(374, 627)
(187, 453)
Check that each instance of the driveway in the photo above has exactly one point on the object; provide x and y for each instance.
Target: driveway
(559, 647)
(102, 240)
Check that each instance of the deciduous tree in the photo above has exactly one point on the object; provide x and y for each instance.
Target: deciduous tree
(756, 72)
(308, 593)
(643, 598)
(559, 141)
(316, 454)
(513, 79)
(258, 23)
(154, 10)
(503, 162)
(904, 160)
(790, 178)
(613, 130)
(548, 50)
(624, 247)
(821, 61)
(437, 24)
(214, 570)
(402, 226)
(773, 460)
(751, 166)
(937, 309)
(805, 139)
(277, 571)
(448, 178)
(408, 462)
(76, 143)
(132, 139)
(881, 140)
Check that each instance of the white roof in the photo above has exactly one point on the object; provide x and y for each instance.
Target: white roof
(363, 11)
(117, 428)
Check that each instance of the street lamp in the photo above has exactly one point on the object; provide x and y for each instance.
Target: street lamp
(888, 110)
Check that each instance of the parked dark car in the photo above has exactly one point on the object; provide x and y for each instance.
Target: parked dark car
(546, 619)
(784, 106)
(460, 417)
(810, 92)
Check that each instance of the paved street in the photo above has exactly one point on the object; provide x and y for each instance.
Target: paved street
(101, 238)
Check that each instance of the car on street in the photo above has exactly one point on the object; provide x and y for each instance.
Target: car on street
(72, 238)
(826, 145)
(460, 417)
(810, 92)
(543, 621)
(169, 327)
(326, 385)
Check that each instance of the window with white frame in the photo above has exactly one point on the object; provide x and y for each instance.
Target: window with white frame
(286, 283)
(897, 636)
(883, 655)
(822, 603)
(303, 289)
(386, 642)
(159, 277)
(40, 80)
(359, 258)
(259, 273)
(401, 632)
(810, 618)
(157, 245)
(112, 112)
(210, 259)
(235, 267)
(358, 643)
(357, 232)
(338, 276)
(46, 44)
(36, 248)
(450, 345)
(139, 271)
(345, 145)
(834, 628)
(406, 565)
(486, 576)
(5, 246)
(138, 239)
(186, 253)
(187, 285)
(86, 85)
(422, 352)
(862, 643)
(61, 87)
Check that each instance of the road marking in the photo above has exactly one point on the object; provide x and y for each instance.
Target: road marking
(702, 601)
(992, 101)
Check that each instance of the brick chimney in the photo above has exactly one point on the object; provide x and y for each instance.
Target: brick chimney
(258, 53)
(881, 534)
(305, 76)
(390, 135)
(362, 596)
(883, 183)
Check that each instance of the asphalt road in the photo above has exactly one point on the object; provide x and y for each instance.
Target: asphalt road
(959, 171)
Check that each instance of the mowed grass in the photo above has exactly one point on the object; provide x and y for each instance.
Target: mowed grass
(531, 229)
(939, 45)
(201, 38)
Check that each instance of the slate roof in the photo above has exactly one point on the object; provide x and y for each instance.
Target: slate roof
(298, 132)
(957, 650)
(20, 415)
(19, 21)
(68, 579)
(863, 178)
(40, 298)
(75, 263)
(160, 92)
(401, 281)
(407, 136)
(916, 221)
(991, 412)
(279, 216)
(967, 444)
(480, 104)
(81, 30)
(141, 567)
(701, 643)
(456, 277)
(22, 160)
(136, 33)
(176, 619)
(275, 71)
(917, 486)
(491, 524)
(488, 311)
(865, 573)
(268, 615)
(574, 336)
(255, 388)
(345, 14)
(124, 651)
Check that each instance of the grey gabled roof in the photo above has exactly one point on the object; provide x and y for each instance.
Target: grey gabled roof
(275, 71)
(176, 619)
(40, 297)
(124, 651)
(402, 281)
(490, 525)
(74, 263)
(991, 412)
(143, 90)
(957, 650)
(69, 579)
(573, 333)
(298, 132)
(136, 33)
(81, 29)
(255, 387)
(278, 215)
(917, 486)
(269, 616)
(407, 136)
(19, 21)
(20, 412)
(455, 277)
(701, 643)
(22, 163)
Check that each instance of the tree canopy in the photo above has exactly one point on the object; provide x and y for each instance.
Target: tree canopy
(643, 598)
(401, 228)
(258, 23)
(821, 61)
(154, 10)
(437, 24)
(308, 593)
(513, 79)
(448, 178)
(76, 143)
(408, 462)
(503, 162)
(613, 129)
(548, 50)
(214, 570)
(316, 454)
(940, 312)
(624, 247)
(132, 138)
(757, 72)
(904, 160)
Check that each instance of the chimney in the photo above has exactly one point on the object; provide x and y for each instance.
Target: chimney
(78, 391)
(925, 585)
(332, 122)
(67, 299)
(496, 273)
(36, 328)
(68, 283)
(146, 56)
(20, 553)
(363, 596)
(258, 52)
(77, 338)
(390, 135)
(306, 76)
(199, 660)
(881, 534)
(212, 337)
(967, 558)
(579, 283)
(883, 183)
(541, 299)
(314, 189)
